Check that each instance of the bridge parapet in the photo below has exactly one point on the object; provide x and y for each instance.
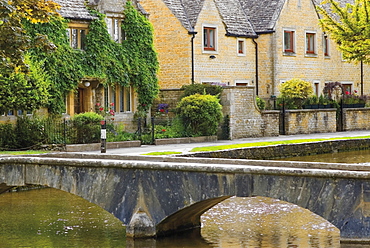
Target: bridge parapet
(158, 195)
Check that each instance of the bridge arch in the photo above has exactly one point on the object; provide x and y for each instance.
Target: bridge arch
(149, 197)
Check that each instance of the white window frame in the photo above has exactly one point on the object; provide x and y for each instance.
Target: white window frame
(314, 50)
(294, 50)
(215, 51)
(244, 47)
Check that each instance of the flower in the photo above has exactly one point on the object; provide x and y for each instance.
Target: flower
(111, 104)
(98, 104)
(162, 107)
(163, 130)
(101, 109)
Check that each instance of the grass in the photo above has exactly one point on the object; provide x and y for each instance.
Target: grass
(267, 143)
(22, 152)
(161, 153)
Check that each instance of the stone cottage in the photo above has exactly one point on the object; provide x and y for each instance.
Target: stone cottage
(261, 43)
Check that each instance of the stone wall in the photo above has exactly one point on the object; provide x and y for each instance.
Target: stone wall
(356, 119)
(310, 121)
(246, 119)
(286, 150)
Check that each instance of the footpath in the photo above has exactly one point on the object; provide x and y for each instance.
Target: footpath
(185, 148)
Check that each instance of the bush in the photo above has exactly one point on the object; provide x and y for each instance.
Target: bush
(200, 114)
(201, 89)
(261, 104)
(8, 139)
(87, 126)
(296, 90)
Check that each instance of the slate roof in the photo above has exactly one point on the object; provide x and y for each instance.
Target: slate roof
(263, 14)
(74, 9)
(234, 17)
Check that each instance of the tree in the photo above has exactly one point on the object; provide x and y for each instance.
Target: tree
(349, 27)
(13, 40)
(24, 85)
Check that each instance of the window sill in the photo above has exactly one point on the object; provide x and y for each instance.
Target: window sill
(310, 55)
(210, 52)
(292, 54)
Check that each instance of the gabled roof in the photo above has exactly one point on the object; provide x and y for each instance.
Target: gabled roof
(187, 11)
(234, 17)
(74, 9)
(263, 14)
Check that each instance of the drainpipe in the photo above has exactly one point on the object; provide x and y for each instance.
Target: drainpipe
(362, 78)
(256, 54)
(192, 54)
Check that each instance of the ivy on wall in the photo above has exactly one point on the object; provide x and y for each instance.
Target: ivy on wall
(143, 58)
(132, 62)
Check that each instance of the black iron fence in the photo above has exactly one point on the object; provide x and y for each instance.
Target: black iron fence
(32, 133)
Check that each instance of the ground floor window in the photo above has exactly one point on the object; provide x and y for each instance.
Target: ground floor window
(119, 98)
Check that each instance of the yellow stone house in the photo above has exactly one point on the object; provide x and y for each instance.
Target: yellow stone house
(247, 42)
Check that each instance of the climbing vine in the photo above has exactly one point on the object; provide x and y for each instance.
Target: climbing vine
(132, 62)
(143, 58)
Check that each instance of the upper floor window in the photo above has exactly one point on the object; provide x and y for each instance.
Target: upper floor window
(310, 43)
(77, 35)
(115, 29)
(289, 41)
(241, 47)
(209, 38)
(326, 45)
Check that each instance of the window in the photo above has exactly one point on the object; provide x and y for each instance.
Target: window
(326, 45)
(316, 87)
(242, 82)
(77, 36)
(310, 43)
(288, 41)
(209, 38)
(125, 99)
(241, 47)
(115, 29)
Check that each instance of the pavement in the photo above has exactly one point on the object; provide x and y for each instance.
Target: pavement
(185, 148)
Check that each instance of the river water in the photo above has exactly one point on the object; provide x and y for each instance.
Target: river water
(53, 218)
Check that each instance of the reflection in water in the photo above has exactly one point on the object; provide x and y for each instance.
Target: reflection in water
(53, 218)
(266, 222)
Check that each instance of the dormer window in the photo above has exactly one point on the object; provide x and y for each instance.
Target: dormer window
(77, 35)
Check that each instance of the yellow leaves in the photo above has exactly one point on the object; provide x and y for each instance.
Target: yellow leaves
(36, 11)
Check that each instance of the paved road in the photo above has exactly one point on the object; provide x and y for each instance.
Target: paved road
(185, 148)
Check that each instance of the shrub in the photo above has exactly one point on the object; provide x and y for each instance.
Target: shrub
(30, 131)
(297, 90)
(87, 127)
(8, 138)
(261, 104)
(201, 89)
(200, 114)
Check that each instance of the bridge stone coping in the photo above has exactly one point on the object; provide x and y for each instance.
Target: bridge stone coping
(156, 196)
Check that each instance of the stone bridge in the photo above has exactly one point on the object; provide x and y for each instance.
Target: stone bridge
(156, 196)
